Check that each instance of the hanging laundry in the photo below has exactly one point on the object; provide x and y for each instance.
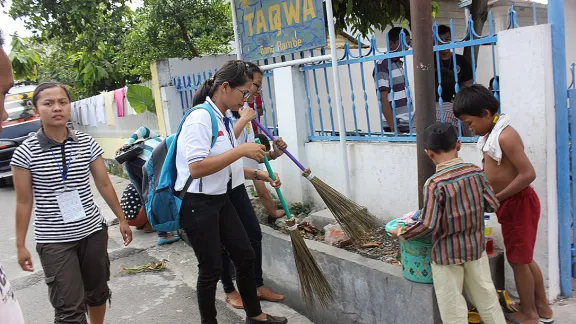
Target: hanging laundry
(109, 108)
(84, 113)
(127, 107)
(119, 95)
(100, 111)
(92, 118)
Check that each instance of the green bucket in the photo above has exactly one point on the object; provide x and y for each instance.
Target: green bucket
(415, 257)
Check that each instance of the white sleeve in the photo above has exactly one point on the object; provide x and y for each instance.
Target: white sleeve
(197, 135)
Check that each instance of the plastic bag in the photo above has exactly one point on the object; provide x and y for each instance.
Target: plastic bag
(333, 234)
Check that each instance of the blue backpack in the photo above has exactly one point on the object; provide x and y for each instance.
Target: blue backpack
(161, 203)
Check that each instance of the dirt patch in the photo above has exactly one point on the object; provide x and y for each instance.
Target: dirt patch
(380, 246)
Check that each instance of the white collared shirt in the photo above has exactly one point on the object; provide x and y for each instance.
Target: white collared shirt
(193, 145)
(247, 136)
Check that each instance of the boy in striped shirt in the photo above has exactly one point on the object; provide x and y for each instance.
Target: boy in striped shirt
(455, 199)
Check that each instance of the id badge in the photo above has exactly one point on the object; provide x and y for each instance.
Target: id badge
(71, 206)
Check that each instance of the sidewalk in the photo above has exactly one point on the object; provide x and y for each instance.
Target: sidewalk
(182, 263)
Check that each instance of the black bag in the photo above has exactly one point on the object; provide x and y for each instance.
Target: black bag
(129, 153)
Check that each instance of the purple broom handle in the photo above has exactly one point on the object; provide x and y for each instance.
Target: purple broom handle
(283, 150)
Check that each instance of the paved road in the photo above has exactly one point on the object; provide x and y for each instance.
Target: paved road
(163, 297)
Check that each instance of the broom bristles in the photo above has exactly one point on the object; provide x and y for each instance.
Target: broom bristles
(355, 220)
(313, 284)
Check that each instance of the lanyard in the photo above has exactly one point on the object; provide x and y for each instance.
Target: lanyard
(63, 172)
(227, 122)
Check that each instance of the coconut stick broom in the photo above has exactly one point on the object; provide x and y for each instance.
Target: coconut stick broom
(355, 220)
(313, 283)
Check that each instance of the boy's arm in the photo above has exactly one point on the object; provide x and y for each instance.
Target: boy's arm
(513, 148)
(491, 203)
(430, 214)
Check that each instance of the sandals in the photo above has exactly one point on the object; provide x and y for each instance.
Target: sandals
(235, 302)
(543, 320)
(164, 241)
(474, 316)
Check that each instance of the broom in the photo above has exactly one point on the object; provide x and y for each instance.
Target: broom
(313, 284)
(355, 220)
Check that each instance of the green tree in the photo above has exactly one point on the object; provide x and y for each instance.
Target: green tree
(176, 28)
(365, 16)
(24, 60)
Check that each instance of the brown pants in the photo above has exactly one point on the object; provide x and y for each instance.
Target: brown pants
(77, 275)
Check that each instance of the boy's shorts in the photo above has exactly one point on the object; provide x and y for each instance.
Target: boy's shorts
(519, 216)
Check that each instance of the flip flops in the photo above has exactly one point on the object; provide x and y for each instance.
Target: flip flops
(474, 316)
(505, 301)
(163, 241)
(543, 320)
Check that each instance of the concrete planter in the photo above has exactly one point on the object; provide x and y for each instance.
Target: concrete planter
(367, 291)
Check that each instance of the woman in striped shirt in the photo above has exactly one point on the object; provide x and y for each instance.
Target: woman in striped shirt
(52, 169)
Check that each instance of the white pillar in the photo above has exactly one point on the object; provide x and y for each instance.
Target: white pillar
(292, 120)
(527, 88)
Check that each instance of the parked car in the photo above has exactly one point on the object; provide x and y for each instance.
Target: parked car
(22, 121)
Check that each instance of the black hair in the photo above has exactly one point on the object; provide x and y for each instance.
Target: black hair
(263, 140)
(46, 86)
(492, 81)
(253, 68)
(443, 29)
(394, 33)
(474, 100)
(236, 73)
(440, 137)
(1, 38)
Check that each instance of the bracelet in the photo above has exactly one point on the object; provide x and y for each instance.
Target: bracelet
(256, 177)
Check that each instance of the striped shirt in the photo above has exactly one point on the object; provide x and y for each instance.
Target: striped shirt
(151, 140)
(44, 159)
(398, 85)
(455, 199)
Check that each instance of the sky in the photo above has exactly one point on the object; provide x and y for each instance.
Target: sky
(11, 26)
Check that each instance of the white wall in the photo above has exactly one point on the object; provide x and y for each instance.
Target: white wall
(528, 96)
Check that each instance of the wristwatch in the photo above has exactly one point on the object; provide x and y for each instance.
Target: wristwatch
(256, 177)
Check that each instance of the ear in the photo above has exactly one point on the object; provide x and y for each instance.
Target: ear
(225, 86)
(430, 154)
(458, 146)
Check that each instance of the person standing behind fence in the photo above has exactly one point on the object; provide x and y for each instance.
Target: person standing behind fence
(10, 312)
(52, 168)
(394, 68)
(207, 214)
(448, 80)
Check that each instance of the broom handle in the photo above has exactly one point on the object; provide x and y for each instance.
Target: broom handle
(278, 191)
(267, 132)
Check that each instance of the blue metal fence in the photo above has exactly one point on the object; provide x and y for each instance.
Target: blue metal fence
(570, 238)
(188, 85)
(362, 100)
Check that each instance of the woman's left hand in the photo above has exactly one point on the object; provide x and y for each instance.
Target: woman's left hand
(126, 232)
(274, 183)
(279, 146)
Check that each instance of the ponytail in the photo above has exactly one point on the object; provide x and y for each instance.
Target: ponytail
(206, 90)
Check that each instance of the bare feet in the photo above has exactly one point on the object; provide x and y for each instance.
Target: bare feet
(267, 294)
(278, 214)
(235, 300)
(544, 311)
(520, 318)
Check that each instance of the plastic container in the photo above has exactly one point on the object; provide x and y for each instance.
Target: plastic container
(488, 235)
(415, 257)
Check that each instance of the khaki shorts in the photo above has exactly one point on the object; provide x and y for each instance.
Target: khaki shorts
(77, 274)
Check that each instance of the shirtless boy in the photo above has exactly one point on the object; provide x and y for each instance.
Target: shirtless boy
(510, 173)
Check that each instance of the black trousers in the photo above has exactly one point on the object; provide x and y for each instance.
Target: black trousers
(241, 202)
(210, 223)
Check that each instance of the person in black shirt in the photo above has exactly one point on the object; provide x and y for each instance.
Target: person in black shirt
(447, 62)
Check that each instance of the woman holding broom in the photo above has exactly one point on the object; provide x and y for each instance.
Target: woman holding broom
(244, 133)
(207, 214)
